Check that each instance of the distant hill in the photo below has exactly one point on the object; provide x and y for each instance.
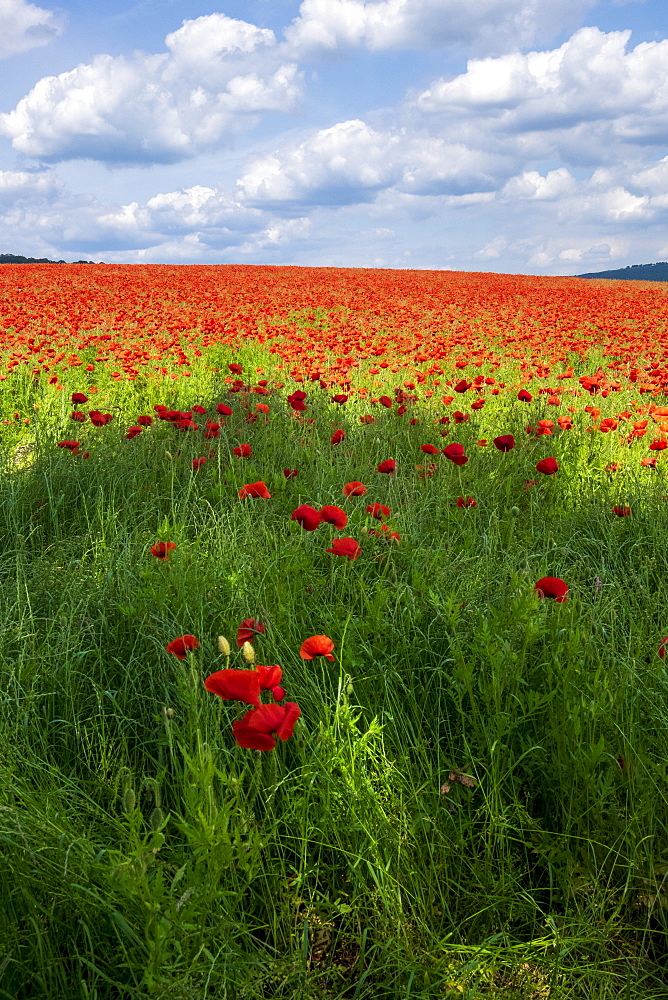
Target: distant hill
(636, 272)
(13, 258)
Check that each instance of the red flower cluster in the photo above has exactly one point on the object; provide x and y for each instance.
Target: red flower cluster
(265, 722)
(309, 518)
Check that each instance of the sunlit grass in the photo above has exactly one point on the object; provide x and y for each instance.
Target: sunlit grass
(473, 802)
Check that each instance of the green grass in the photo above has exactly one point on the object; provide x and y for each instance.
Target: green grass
(144, 855)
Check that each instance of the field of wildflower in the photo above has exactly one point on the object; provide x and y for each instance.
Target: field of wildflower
(334, 622)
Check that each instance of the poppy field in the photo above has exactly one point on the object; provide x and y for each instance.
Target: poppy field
(334, 633)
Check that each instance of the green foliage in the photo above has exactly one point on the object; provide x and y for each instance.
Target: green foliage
(473, 803)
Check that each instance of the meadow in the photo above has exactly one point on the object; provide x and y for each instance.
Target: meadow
(334, 632)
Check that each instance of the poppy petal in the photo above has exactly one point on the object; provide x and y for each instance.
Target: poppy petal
(235, 685)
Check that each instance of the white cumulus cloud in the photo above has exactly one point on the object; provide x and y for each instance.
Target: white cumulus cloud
(577, 100)
(351, 162)
(217, 77)
(25, 26)
(532, 186)
(494, 25)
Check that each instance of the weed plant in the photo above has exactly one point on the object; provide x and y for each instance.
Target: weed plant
(473, 803)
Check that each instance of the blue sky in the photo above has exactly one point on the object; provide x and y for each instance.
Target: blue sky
(518, 136)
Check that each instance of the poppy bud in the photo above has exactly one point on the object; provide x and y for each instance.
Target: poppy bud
(168, 456)
(129, 800)
(514, 511)
(223, 645)
(156, 819)
(168, 713)
(248, 652)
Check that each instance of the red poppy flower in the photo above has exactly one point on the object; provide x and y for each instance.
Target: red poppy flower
(334, 515)
(308, 517)
(663, 646)
(552, 586)
(79, 397)
(235, 369)
(607, 425)
(462, 385)
(290, 473)
(181, 646)
(505, 442)
(198, 463)
(649, 462)
(565, 423)
(132, 432)
(145, 420)
(243, 451)
(224, 411)
(354, 489)
(389, 465)
(548, 466)
(99, 419)
(658, 444)
(211, 430)
(254, 490)
(524, 396)
(296, 401)
(455, 452)
(78, 416)
(337, 437)
(269, 676)
(429, 449)
(235, 685)
(459, 417)
(367, 419)
(340, 398)
(249, 628)
(199, 409)
(461, 502)
(345, 547)
(278, 693)
(161, 550)
(378, 510)
(317, 645)
(621, 511)
(385, 401)
(72, 446)
(255, 731)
